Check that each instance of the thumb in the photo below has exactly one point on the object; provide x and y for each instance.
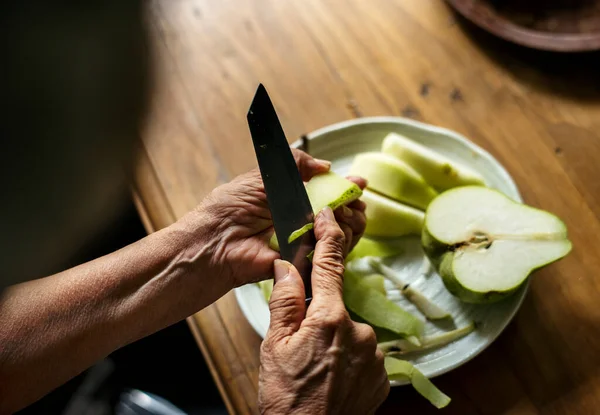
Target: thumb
(287, 303)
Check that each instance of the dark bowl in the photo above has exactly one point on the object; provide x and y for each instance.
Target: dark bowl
(554, 25)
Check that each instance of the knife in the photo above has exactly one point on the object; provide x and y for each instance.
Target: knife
(288, 202)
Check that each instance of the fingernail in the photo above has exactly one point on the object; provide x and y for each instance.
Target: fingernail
(323, 163)
(281, 269)
(327, 213)
(357, 178)
(347, 212)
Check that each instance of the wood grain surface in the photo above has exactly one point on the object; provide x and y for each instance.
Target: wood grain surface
(325, 61)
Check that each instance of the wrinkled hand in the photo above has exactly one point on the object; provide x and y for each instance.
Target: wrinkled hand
(324, 363)
(242, 226)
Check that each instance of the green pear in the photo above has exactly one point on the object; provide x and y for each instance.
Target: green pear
(266, 288)
(437, 170)
(331, 189)
(485, 245)
(327, 189)
(393, 178)
(372, 247)
(388, 218)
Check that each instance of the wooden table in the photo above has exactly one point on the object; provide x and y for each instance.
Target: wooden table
(325, 61)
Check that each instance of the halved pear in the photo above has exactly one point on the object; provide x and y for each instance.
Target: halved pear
(393, 178)
(484, 245)
(388, 218)
(437, 170)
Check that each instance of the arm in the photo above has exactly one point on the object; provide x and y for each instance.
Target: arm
(53, 328)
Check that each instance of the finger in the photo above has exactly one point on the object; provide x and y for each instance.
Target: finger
(287, 303)
(353, 223)
(328, 260)
(360, 181)
(380, 378)
(308, 165)
(365, 336)
(358, 205)
(355, 219)
(382, 391)
(347, 237)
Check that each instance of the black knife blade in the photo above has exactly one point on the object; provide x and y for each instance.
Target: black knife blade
(286, 195)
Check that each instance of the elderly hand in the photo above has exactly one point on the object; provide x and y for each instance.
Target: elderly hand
(241, 224)
(324, 363)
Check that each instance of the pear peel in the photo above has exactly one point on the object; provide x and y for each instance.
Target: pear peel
(298, 233)
(485, 245)
(393, 178)
(425, 306)
(375, 281)
(403, 370)
(438, 170)
(373, 306)
(400, 347)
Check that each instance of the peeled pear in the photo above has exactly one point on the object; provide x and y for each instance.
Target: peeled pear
(437, 170)
(266, 288)
(393, 178)
(372, 247)
(388, 218)
(485, 245)
(327, 189)
(331, 189)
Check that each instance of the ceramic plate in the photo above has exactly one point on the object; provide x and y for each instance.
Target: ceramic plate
(340, 143)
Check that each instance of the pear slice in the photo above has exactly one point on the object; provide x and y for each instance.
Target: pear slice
(393, 178)
(327, 189)
(484, 245)
(372, 247)
(437, 170)
(266, 288)
(388, 218)
(331, 189)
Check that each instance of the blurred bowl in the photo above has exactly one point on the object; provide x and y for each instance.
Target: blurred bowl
(553, 25)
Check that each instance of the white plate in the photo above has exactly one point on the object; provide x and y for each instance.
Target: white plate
(339, 143)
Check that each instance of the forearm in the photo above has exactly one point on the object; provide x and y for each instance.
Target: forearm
(53, 328)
